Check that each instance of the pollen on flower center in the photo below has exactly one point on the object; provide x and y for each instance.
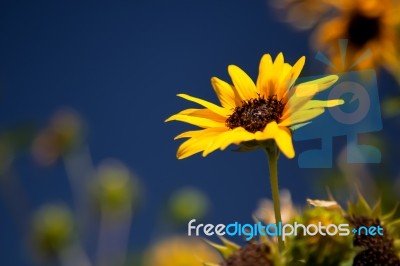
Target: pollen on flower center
(362, 29)
(255, 114)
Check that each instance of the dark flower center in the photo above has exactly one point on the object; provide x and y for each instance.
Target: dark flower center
(255, 114)
(253, 254)
(377, 250)
(362, 29)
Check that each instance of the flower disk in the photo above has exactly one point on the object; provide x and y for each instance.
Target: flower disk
(362, 29)
(255, 114)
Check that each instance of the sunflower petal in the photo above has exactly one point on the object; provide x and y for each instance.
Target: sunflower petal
(225, 93)
(235, 136)
(198, 133)
(318, 104)
(282, 85)
(304, 92)
(203, 113)
(314, 86)
(195, 145)
(293, 75)
(283, 138)
(268, 132)
(296, 70)
(264, 72)
(215, 108)
(244, 86)
(302, 116)
(197, 121)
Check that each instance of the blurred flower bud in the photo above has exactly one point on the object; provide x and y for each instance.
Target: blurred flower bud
(180, 251)
(188, 203)
(265, 210)
(63, 134)
(391, 107)
(116, 189)
(317, 249)
(52, 230)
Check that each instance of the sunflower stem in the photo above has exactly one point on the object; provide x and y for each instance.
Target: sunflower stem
(273, 171)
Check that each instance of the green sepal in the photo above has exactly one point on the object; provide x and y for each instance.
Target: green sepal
(360, 208)
(298, 126)
(226, 251)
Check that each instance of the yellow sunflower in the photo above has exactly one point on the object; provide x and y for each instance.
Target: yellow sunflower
(254, 112)
(371, 28)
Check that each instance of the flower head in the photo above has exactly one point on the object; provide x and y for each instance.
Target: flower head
(380, 249)
(254, 112)
(369, 26)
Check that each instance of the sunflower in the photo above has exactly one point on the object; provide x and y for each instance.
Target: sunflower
(370, 27)
(254, 113)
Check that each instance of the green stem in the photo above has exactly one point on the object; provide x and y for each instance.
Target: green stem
(273, 171)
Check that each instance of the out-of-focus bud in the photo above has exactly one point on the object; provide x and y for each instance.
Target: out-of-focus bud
(52, 230)
(181, 251)
(63, 134)
(391, 107)
(116, 188)
(330, 249)
(265, 210)
(188, 203)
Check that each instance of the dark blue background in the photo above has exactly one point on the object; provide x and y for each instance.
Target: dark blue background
(120, 64)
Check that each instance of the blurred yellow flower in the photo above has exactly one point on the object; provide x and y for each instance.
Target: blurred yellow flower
(181, 251)
(371, 28)
(302, 14)
(254, 112)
